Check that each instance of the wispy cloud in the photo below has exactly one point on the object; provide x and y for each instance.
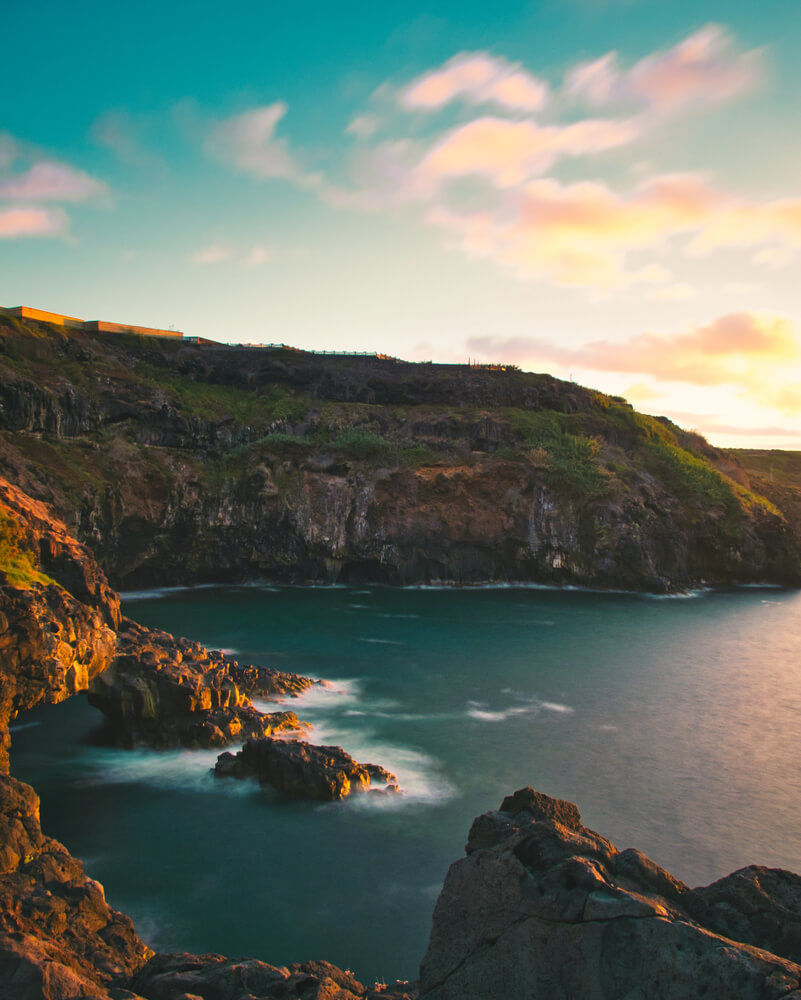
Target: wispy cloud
(478, 78)
(703, 69)
(213, 254)
(120, 132)
(248, 141)
(20, 221)
(47, 181)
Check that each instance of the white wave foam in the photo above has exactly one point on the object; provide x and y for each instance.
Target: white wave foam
(381, 642)
(555, 706)
(170, 770)
(484, 713)
(23, 725)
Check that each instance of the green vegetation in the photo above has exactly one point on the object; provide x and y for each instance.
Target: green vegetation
(362, 445)
(17, 561)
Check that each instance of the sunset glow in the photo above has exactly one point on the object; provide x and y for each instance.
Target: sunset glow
(595, 188)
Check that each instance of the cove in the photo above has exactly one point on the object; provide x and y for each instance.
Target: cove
(673, 722)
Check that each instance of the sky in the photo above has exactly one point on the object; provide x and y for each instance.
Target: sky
(607, 190)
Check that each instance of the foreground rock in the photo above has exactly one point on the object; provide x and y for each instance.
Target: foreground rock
(58, 936)
(301, 770)
(164, 692)
(176, 977)
(543, 907)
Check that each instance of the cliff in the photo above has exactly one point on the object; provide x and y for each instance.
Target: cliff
(181, 463)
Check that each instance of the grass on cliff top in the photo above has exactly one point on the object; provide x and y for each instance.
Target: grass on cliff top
(16, 559)
(782, 467)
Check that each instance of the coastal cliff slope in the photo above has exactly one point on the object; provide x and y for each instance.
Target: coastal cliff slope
(181, 463)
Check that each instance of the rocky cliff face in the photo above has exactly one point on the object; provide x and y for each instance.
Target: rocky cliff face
(57, 613)
(544, 907)
(180, 464)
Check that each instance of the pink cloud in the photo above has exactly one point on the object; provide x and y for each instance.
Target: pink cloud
(478, 78)
(701, 70)
(51, 182)
(18, 222)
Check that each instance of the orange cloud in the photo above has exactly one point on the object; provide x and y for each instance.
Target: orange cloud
(752, 351)
(700, 70)
(584, 233)
(478, 78)
(509, 153)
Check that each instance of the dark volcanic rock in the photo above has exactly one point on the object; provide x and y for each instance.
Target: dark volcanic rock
(163, 692)
(543, 907)
(302, 770)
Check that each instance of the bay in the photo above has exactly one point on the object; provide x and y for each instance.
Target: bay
(672, 723)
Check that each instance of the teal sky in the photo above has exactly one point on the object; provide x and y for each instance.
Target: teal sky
(609, 190)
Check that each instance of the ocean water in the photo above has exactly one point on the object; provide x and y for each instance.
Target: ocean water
(672, 723)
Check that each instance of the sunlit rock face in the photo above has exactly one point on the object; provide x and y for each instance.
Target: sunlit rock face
(57, 613)
(543, 907)
(59, 939)
(162, 691)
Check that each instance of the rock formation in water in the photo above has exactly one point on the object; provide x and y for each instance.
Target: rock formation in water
(301, 770)
(542, 907)
(163, 692)
(180, 463)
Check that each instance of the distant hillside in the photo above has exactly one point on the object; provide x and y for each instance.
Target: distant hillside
(778, 466)
(181, 463)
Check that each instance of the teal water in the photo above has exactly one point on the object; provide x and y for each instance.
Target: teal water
(673, 723)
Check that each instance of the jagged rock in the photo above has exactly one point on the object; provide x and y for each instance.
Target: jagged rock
(214, 977)
(543, 907)
(163, 692)
(302, 770)
(57, 612)
(59, 938)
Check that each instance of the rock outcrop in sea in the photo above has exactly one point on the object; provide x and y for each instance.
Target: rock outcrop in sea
(162, 691)
(303, 771)
(543, 908)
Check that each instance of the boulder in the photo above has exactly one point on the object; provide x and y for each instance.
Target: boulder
(544, 908)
